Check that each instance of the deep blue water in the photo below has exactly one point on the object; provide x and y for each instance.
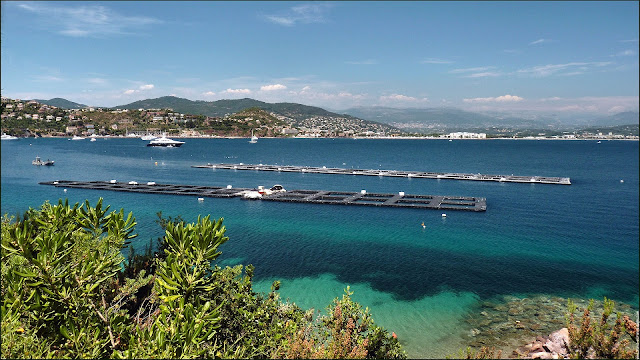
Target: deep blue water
(569, 241)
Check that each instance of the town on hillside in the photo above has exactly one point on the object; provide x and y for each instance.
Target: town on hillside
(30, 118)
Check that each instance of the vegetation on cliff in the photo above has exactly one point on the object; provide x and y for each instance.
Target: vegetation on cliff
(68, 292)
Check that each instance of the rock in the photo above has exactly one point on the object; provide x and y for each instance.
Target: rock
(557, 341)
(541, 355)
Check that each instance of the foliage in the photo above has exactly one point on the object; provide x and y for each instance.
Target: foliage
(68, 292)
(602, 340)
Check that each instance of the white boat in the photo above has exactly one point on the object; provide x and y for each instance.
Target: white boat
(254, 139)
(39, 162)
(165, 142)
(8, 137)
(93, 139)
(76, 137)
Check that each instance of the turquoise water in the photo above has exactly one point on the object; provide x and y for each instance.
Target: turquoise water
(566, 241)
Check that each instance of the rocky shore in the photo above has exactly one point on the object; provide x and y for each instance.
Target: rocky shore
(507, 322)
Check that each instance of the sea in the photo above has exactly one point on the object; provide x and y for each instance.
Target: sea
(461, 280)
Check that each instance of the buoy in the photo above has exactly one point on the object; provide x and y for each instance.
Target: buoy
(201, 199)
(65, 190)
(444, 215)
(363, 192)
(621, 181)
(228, 186)
(423, 225)
(156, 163)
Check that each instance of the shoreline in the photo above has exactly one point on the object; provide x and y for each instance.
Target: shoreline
(354, 138)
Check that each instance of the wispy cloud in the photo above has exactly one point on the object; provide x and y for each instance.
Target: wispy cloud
(399, 99)
(208, 93)
(628, 41)
(98, 81)
(475, 69)
(539, 41)
(572, 68)
(84, 20)
(301, 14)
(363, 62)
(503, 98)
(482, 74)
(627, 52)
(47, 78)
(435, 61)
(273, 87)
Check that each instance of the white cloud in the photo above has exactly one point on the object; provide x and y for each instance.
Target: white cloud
(208, 93)
(401, 99)
(304, 14)
(306, 88)
(97, 81)
(503, 98)
(130, 91)
(435, 61)
(146, 87)
(273, 87)
(84, 20)
(237, 91)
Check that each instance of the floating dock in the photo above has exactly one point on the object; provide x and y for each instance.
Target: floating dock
(296, 196)
(393, 173)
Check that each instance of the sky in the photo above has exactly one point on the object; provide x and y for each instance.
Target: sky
(547, 56)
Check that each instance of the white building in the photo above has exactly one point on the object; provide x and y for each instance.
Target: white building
(467, 135)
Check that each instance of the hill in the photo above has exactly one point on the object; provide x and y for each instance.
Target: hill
(297, 115)
(61, 103)
(623, 118)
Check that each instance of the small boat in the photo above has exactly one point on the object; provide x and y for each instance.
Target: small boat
(254, 139)
(93, 139)
(76, 137)
(164, 141)
(8, 137)
(39, 162)
(599, 142)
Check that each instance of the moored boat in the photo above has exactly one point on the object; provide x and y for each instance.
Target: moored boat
(39, 162)
(164, 141)
(8, 137)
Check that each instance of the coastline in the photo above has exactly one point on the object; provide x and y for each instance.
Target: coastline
(354, 138)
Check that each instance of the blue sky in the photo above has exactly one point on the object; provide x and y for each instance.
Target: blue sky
(505, 56)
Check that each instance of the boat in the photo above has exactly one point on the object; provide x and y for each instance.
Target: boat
(76, 137)
(39, 162)
(164, 141)
(93, 139)
(258, 193)
(599, 142)
(8, 137)
(254, 139)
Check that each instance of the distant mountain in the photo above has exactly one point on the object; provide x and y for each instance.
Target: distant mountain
(623, 118)
(440, 118)
(61, 103)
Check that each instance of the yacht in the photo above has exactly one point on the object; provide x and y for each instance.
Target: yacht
(37, 161)
(8, 137)
(254, 139)
(76, 137)
(165, 142)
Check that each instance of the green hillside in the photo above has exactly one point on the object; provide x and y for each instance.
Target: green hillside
(61, 103)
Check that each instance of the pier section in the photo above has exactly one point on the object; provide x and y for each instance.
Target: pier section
(297, 196)
(393, 173)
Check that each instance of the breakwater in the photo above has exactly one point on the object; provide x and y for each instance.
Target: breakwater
(393, 173)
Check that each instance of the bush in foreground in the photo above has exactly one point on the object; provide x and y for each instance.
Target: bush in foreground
(67, 291)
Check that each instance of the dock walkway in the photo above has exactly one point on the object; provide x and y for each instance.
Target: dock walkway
(297, 196)
(393, 173)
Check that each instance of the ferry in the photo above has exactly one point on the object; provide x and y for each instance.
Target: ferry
(165, 142)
